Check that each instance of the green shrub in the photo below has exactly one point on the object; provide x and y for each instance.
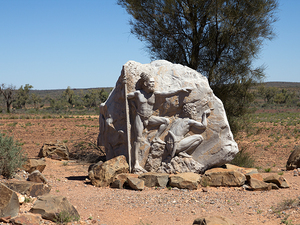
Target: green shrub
(11, 156)
(243, 159)
(65, 217)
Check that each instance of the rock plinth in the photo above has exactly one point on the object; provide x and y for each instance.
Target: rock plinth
(223, 177)
(102, 174)
(155, 110)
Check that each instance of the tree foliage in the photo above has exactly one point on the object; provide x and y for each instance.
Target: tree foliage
(22, 96)
(219, 38)
(8, 92)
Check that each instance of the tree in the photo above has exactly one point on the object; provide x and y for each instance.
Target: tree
(22, 96)
(35, 99)
(219, 38)
(8, 93)
(69, 94)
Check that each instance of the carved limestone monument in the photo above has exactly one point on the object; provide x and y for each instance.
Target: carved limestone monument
(164, 117)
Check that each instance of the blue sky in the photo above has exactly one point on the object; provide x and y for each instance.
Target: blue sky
(53, 44)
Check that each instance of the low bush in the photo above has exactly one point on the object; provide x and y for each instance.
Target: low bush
(11, 156)
(243, 159)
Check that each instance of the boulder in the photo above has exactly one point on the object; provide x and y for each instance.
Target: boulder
(185, 180)
(214, 220)
(120, 180)
(29, 188)
(280, 181)
(9, 202)
(215, 147)
(222, 177)
(241, 169)
(258, 185)
(27, 219)
(102, 174)
(256, 176)
(294, 159)
(54, 208)
(135, 183)
(153, 179)
(34, 164)
(56, 150)
(37, 177)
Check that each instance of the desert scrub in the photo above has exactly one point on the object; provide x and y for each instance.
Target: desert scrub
(243, 159)
(65, 217)
(11, 156)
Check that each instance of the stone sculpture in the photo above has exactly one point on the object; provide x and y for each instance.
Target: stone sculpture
(143, 103)
(164, 117)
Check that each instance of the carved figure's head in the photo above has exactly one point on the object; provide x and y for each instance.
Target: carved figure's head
(148, 82)
(189, 110)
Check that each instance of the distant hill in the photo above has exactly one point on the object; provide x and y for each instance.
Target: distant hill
(283, 84)
(57, 92)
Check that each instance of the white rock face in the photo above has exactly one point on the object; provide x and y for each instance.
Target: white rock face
(217, 145)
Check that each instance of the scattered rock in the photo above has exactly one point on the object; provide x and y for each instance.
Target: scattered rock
(37, 177)
(214, 220)
(29, 188)
(34, 164)
(258, 185)
(27, 219)
(56, 150)
(9, 202)
(184, 180)
(101, 175)
(222, 177)
(153, 179)
(280, 181)
(293, 160)
(54, 208)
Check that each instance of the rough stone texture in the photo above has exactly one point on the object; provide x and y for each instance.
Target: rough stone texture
(56, 150)
(49, 207)
(293, 160)
(181, 165)
(136, 183)
(280, 181)
(102, 174)
(9, 202)
(214, 220)
(120, 180)
(155, 179)
(223, 177)
(37, 177)
(34, 164)
(256, 176)
(185, 180)
(218, 146)
(258, 185)
(29, 188)
(241, 169)
(27, 219)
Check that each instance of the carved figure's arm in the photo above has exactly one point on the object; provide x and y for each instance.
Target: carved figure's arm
(131, 95)
(203, 124)
(173, 92)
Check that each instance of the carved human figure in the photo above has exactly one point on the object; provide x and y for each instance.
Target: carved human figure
(144, 102)
(177, 143)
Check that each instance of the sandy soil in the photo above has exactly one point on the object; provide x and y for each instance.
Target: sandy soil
(158, 206)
